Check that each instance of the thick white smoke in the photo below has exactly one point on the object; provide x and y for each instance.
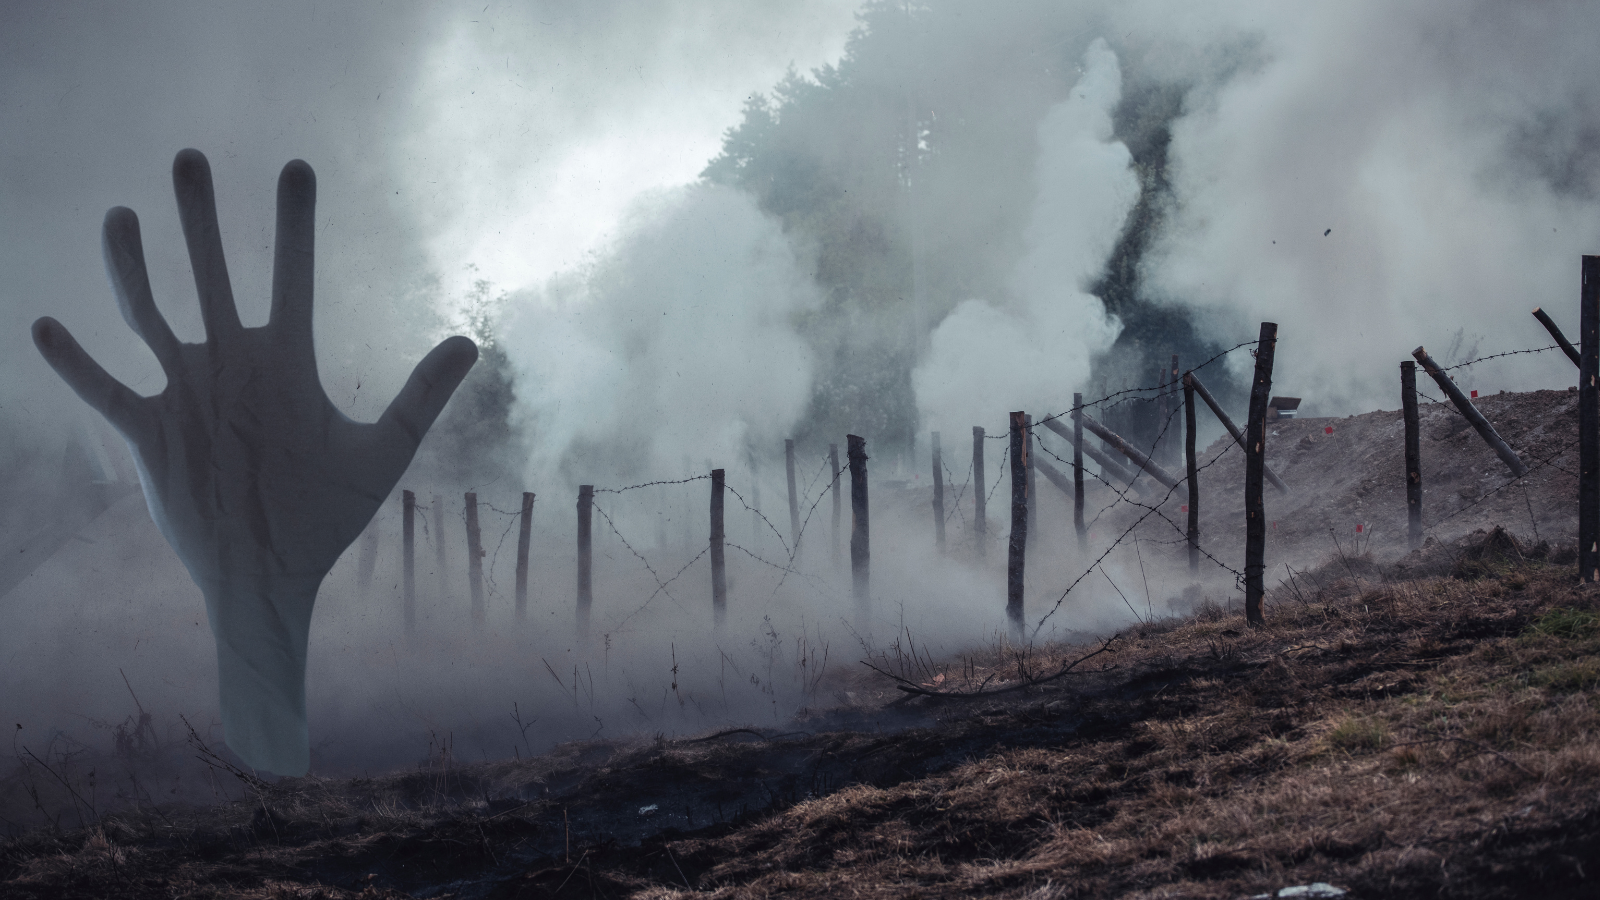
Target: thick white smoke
(1032, 349)
(677, 343)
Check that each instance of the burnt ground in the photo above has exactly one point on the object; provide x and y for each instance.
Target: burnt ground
(1422, 726)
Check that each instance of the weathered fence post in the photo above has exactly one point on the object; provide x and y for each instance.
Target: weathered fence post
(408, 537)
(1227, 422)
(860, 545)
(438, 547)
(1408, 408)
(719, 570)
(1485, 430)
(1077, 473)
(1255, 463)
(369, 557)
(794, 499)
(1173, 382)
(1017, 551)
(475, 559)
(1589, 423)
(833, 464)
(585, 556)
(1192, 472)
(1561, 339)
(980, 502)
(524, 541)
(1033, 490)
(938, 495)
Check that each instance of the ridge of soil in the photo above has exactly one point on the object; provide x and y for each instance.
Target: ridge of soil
(1436, 735)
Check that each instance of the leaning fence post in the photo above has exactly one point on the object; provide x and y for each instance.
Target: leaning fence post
(1485, 430)
(1017, 551)
(1192, 472)
(1033, 484)
(938, 495)
(1589, 424)
(860, 545)
(1561, 339)
(585, 556)
(1227, 422)
(475, 559)
(794, 500)
(408, 537)
(1408, 407)
(1255, 463)
(980, 502)
(833, 464)
(524, 540)
(1077, 473)
(719, 570)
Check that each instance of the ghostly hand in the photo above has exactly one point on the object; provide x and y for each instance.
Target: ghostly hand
(253, 476)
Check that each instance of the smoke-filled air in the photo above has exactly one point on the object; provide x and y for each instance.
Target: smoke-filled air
(680, 234)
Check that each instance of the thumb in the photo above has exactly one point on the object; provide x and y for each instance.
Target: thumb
(430, 386)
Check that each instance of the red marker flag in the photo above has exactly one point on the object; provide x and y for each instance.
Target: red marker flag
(1328, 430)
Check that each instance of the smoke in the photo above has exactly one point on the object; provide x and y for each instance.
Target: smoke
(678, 343)
(1025, 350)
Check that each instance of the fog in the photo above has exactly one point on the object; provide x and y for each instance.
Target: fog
(684, 232)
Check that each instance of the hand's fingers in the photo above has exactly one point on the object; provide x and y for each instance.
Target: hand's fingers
(124, 255)
(121, 406)
(293, 258)
(197, 210)
(429, 388)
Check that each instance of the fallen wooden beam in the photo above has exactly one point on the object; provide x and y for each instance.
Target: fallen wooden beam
(1485, 430)
(1238, 436)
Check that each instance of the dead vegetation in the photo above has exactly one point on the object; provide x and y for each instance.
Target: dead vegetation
(1438, 735)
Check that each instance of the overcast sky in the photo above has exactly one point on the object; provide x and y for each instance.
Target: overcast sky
(507, 136)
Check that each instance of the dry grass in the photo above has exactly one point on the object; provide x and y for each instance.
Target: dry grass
(1435, 737)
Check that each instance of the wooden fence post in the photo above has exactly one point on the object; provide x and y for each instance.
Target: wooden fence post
(794, 499)
(1077, 473)
(585, 556)
(1033, 484)
(1017, 555)
(524, 541)
(1173, 381)
(408, 536)
(1589, 423)
(980, 501)
(833, 464)
(1484, 429)
(1255, 463)
(755, 504)
(475, 559)
(719, 570)
(438, 547)
(369, 557)
(1192, 472)
(860, 545)
(1408, 407)
(1561, 339)
(938, 495)
(1158, 434)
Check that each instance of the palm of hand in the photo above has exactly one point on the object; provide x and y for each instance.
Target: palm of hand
(253, 476)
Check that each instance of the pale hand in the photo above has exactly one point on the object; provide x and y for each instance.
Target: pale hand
(253, 476)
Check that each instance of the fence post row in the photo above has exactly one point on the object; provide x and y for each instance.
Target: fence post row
(1255, 463)
(1408, 406)
(1017, 550)
(585, 556)
(719, 571)
(938, 495)
(1227, 422)
(1077, 473)
(980, 500)
(1485, 430)
(794, 501)
(1192, 472)
(475, 559)
(1589, 423)
(833, 465)
(860, 544)
(524, 540)
(408, 536)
